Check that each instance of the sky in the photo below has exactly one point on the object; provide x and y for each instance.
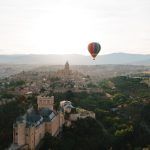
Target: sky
(67, 26)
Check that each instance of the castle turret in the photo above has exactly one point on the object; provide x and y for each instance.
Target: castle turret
(45, 102)
(19, 133)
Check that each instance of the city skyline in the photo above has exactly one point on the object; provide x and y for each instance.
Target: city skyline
(67, 26)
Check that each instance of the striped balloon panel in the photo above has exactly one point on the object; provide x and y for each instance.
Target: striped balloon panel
(94, 49)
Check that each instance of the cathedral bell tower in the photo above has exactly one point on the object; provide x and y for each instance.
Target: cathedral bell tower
(67, 66)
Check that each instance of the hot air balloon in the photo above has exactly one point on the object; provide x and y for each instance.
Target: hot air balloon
(94, 48)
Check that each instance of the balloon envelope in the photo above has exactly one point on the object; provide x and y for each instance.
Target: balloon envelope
(94, 48)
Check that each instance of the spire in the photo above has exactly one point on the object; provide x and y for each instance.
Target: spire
(67, 66)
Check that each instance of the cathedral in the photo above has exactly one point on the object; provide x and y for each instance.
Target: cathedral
(66, 72)
(67, 66)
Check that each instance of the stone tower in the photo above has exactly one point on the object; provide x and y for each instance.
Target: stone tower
(19, 133)
(45, 102)
(67, 66)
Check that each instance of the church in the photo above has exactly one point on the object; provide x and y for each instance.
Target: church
(66, 72)
(69, 74)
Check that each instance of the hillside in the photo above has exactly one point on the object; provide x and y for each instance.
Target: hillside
(75, 59)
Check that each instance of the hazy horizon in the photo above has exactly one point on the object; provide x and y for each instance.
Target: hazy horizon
(74, 54)
(67, 26)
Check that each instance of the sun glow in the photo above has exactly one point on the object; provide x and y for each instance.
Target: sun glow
(67, 26)
(61, 28)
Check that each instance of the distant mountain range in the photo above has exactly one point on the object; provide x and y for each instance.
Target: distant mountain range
(75, 59)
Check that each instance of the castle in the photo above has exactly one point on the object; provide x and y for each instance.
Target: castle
(29, 129)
